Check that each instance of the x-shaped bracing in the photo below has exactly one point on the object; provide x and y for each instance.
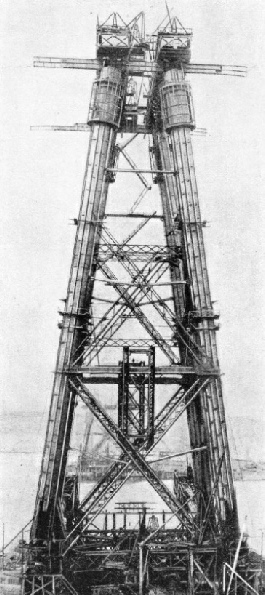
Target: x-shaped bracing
(165, 312)
(129, 300)
(131, 457)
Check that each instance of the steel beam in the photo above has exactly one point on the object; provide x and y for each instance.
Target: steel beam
(174, 371)
(138, 68)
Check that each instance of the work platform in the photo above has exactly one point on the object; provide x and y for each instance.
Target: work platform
(163, 374)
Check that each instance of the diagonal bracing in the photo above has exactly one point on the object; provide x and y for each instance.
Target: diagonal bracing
(121, 470)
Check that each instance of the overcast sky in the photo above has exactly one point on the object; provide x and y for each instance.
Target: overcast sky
(41, 179)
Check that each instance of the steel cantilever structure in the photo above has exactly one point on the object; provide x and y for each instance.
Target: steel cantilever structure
(140, 90)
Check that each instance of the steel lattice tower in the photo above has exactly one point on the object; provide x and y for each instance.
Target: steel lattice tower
(140, 92)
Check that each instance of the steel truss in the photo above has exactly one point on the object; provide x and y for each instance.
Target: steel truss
(70, 550)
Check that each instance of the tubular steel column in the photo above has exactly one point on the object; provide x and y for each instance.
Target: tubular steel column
(151, 397)
(173, 236)
(123, 393)
(105, 113)
(178, 119)
(182, 303)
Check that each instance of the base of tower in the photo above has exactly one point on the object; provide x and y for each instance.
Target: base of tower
(128, 567)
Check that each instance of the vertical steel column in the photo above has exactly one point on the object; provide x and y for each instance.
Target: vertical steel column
(151, 397)
(191, 572)
(182, 303)
(123, 393)
(168, 190)
(105, 113)
(120, 399)
(178, 119)
(141, 381)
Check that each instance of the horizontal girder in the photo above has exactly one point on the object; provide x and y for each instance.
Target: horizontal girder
(163, 374)
(139, 67)
(139, 252)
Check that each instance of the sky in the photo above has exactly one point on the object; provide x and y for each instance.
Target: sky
(41, 179)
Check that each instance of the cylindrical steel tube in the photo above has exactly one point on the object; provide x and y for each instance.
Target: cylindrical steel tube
(176, 101)
(107, 96)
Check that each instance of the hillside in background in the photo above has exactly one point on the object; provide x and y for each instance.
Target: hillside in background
(23, 433)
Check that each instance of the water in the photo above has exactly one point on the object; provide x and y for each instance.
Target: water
(21, 443)
(22, 439)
